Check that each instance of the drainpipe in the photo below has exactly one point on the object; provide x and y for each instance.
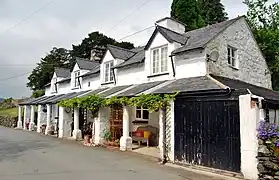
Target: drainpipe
(113, 73)
(172, 64)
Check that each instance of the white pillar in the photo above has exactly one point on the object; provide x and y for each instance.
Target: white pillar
(32, 118)
(48, 125)
(61, 122)
(25, 117)
(162, 131)
(170, 128)
(39, 119)
(126, 140)
(76, 131)
(249, 118)
(19, 121)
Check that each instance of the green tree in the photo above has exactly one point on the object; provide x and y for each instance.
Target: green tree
(264, 22)
(96, 39)
(38, 93)
(188, 12)
(213, 11)
(42, 74)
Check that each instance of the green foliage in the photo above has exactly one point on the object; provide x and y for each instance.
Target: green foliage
(188, 12)
(152, 102)
(38, 93)
(107, 135)
(264, 22)
(213, 11)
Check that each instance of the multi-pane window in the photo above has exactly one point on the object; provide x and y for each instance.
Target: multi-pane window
(142, 113)
(159, 60)
(76, 82)
(232, 60)
(108, 76)
(54, 80)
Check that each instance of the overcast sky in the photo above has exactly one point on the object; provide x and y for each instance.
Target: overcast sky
(66, 22)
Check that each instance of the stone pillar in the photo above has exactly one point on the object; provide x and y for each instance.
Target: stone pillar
(126, 140)
(76, 131)
(48, 124)
(19, 121)
(61, 122)
(249, 117)
(32, 119)
(40, 109)
(25, 117)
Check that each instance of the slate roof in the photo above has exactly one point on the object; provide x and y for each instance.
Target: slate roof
(64, 80)
(120, 53)
(62, 72)
(140, 88)
(256, 90)
(96, 91)
(94, 71)
(86, 64)
(60, 98)
(137, 58)
(113, 90)
(189, 85)
(200, 37)
(48, 100)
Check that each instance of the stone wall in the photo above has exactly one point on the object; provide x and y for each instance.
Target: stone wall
(268, 165)
(8, 121)
(252, 67)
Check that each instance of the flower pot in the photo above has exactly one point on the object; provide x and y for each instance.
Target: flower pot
(87, 139)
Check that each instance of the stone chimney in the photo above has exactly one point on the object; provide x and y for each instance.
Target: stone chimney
(97, 53)
(172, 24)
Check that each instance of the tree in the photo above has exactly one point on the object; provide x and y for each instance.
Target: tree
(264, 22)
(213, 11)
(188, 12)
(42, 74)
(38, 93)
(94, 39)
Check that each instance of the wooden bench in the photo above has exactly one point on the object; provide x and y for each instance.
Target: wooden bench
(153, 134)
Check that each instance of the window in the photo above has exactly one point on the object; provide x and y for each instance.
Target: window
(232, 60)
(142, 113)
(108, 76)
(159, 58)
(76, 83)
(53, 86)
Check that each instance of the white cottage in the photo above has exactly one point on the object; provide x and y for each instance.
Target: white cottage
(219, 71)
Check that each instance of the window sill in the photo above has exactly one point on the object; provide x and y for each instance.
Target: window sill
(107, 83)
(235, 68)
(140, 122)
(53, 92)
(75, 88)
(155, 75)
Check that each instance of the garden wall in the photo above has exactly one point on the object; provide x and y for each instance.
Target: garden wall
(8, 121)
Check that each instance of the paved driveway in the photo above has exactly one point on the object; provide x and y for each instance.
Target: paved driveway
(30, 156)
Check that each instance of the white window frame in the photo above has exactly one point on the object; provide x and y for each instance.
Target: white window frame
(76, 79)
(141, 109)
(108, 74)
(232, 57)
(158, 67)
(53, 85)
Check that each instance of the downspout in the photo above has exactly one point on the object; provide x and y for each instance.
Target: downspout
(79, 82)
(113, 73)
(172, 64)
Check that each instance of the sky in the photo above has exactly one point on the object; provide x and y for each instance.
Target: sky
(26, 38)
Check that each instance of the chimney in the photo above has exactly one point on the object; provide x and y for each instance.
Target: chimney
(97, 53)
(172, 24)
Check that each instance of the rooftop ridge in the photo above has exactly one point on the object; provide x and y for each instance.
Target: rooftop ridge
(117, 47)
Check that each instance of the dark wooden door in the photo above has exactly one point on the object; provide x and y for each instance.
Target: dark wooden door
(207, 133)
(116, 122)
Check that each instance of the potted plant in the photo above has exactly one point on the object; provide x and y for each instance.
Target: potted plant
(107, 136)
(87, 135)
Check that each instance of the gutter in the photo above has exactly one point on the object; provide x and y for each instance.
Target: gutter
(113, 73)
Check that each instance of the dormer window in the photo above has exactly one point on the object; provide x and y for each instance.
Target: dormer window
(159, 60)
(108, 72)
(76, 81)
(53, 85)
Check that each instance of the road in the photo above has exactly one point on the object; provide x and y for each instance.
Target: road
(31, 156)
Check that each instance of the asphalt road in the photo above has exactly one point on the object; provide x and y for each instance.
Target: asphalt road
(31, 156)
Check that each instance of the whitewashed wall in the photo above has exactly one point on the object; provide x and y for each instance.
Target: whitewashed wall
(133, 75)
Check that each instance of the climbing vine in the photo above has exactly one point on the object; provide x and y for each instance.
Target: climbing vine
(153, 102)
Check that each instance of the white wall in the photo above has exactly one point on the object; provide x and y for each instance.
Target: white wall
(191, 64)
(47, 91)
(249, 118)
(135, 75)
(94, 83)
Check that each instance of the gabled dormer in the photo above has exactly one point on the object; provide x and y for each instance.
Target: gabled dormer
(113, 57)
(82, 67)
(58, 75)
(167, 36)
